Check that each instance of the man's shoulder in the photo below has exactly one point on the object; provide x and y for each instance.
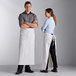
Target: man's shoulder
(22, 13)
(33, 14)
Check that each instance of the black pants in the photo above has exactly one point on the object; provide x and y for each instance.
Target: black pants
(20, 67)
(52, 51)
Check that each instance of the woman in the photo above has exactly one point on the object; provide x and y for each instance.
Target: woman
(49, 41)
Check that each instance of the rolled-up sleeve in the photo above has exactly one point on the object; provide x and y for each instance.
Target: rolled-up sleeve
(44, 26)
(21, 20)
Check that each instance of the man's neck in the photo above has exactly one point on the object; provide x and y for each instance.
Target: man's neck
(28, 12)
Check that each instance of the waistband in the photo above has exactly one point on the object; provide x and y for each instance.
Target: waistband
(52, 34)
(49, 33)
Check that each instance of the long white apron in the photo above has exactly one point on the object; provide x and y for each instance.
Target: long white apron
(26, 46)
(46, 55)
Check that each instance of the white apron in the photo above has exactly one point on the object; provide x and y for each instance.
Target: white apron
(26, 46)
(46, 55)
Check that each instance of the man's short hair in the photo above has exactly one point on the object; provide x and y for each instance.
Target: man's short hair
(27, 2)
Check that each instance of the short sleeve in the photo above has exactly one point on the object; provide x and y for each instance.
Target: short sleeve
(35, 18)
(21, 20)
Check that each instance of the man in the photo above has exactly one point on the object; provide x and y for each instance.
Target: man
(27, 23)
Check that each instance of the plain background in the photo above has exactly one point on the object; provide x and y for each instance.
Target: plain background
(65, 31)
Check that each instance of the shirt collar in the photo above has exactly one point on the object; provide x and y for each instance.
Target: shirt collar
(26, 12)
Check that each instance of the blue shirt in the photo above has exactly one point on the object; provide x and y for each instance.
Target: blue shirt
(48, 26)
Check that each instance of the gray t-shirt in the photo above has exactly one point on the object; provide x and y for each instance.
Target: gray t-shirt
(27, 17)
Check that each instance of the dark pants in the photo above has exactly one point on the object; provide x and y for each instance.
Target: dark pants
(20, 67)
(52, 51)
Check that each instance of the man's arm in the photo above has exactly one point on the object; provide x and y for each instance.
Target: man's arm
(24, 26)
(33, 24)
(21, 22)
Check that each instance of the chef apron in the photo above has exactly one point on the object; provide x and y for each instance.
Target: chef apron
(46, 55)
(26, 46)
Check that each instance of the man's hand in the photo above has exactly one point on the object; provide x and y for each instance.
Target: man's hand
(35, 21)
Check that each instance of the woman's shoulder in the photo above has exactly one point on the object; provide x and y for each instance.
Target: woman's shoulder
(47, 20)
(51, 19)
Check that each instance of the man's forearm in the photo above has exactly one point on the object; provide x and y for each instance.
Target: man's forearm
(24, 26)
(34, 25)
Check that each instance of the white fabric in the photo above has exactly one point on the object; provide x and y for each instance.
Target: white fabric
(26, 46)
(47, 42)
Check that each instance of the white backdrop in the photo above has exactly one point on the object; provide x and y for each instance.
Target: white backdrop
(65, 31)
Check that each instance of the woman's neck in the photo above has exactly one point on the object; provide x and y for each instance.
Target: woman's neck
(49, 16)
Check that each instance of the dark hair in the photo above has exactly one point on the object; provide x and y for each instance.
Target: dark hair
(50, 10)
(27, 2)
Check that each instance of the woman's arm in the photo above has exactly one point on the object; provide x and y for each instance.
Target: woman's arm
(44, 25)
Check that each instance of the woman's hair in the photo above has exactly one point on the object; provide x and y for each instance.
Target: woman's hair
(50, 10)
